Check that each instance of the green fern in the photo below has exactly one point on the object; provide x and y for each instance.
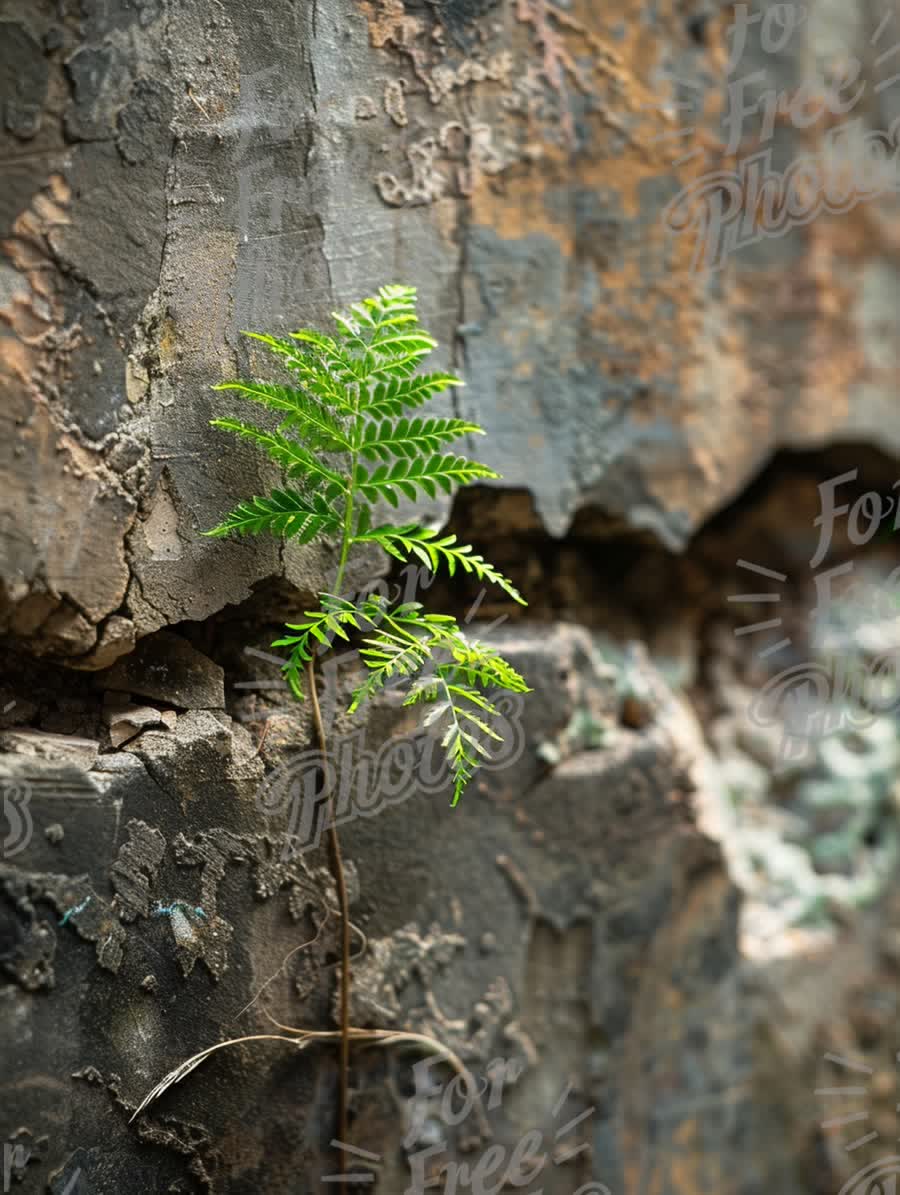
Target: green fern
(423, 543)
(285, 513)
(426, 473)
(305, 413)
(320, 627)
(350, 403)
(381, 441)
(452, 672)
(393, 398)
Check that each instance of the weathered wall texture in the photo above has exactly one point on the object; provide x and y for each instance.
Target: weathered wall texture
(173, 173)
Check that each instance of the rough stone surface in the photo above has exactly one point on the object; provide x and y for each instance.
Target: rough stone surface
(534, 223)
(172, 863)
(126, 721)
(595, 912)
(568, 918)
(167, 668)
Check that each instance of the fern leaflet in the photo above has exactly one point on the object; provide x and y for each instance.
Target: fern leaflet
(423, 473)
(308, 415)
(410, 437)
(393, 398)
(284, 512)
(293, 457)
(425, 544)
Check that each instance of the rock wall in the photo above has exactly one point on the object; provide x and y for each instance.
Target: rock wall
(590, 914)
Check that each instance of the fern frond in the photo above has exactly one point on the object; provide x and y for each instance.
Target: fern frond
(324, 430)
(284, 512)
(392, 398)
(313, 370)
(387, 656)
(479, 664)
(388, 331)
(426, 545)
(396, 342)
(411, 437)
(323, 626)
(477, 699)
(394, 297)
(391, 307)
(402, 364)
(327, 345)
(409, 642)
(424, 473)
(380, 336)
(424, 689)
(462, 745)
(402, 646)
(293, 457)
(334, 356)
(393, 342)
(462, 750)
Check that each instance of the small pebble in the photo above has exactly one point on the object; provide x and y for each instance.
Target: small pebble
(635, 713)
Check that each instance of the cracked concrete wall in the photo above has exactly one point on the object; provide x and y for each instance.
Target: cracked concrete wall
(176, 173)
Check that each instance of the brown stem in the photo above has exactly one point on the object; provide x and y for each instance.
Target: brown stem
(340, 883)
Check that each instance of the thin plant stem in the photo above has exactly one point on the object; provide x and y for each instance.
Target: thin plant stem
(340, 883)
(345, 547)
(347, 528)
